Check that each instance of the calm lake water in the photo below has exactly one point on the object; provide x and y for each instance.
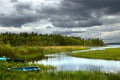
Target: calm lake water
(67, 63)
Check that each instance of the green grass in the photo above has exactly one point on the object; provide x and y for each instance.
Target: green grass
(21, 75)
(4, 65)
(108, 54)
(44, 74)
(34, 52)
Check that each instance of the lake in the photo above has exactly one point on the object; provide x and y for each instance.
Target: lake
(63, 62)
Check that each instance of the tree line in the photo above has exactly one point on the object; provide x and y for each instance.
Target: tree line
(35, 39)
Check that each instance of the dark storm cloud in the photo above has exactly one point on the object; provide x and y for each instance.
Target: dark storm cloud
(70, 13)
(16, 21)
(81, 11)
(111, 5)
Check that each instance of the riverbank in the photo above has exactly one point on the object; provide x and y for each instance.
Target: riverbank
(108, 54)
(30, 53)
(44, 74)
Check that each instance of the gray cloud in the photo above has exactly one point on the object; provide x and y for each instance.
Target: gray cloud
(111, 5)
(70, 13)
(22, 6)
(16, 21)
(23, 13)
(14, 0)
(68, 32)
(81, 23)
(86, 12)
(83, 12)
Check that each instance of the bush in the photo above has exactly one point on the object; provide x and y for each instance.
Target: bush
(7, 50)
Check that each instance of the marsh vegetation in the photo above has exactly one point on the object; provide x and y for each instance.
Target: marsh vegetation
(49, 73)
(109, 54)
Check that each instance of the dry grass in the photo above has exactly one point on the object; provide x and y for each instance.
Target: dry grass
(64, 47)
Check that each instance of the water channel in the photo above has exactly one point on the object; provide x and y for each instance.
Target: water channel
(67, 63)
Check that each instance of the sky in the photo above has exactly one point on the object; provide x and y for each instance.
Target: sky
(83, 18)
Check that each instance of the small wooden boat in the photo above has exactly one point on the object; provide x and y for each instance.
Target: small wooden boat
(34, 68)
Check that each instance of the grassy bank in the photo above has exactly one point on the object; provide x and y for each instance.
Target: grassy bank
(109, 54)
(78, 75)
(44, 74)
(34, 52)
(68, 75)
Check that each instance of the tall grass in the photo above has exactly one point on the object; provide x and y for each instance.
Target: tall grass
(20, 75)
(32, 53)
(7, 50)
(21, 52)
(109, 54)
(61, 75)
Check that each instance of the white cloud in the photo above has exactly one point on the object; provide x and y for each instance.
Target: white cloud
(110, 19)
(6, 7)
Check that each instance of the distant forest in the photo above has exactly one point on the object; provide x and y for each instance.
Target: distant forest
(34, 39)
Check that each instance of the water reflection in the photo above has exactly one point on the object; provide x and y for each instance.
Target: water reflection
(65, 62)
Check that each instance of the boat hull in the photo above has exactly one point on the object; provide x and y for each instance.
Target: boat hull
(24, 69)
(4, 59)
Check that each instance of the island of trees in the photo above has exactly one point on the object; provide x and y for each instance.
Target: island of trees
(35, 39)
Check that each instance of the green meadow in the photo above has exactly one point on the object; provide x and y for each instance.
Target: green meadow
(108, 54)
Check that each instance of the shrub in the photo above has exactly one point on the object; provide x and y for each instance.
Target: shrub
(7, 50)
